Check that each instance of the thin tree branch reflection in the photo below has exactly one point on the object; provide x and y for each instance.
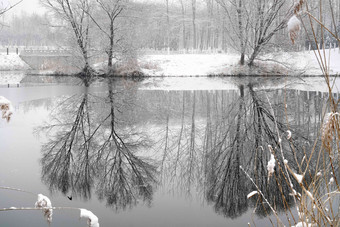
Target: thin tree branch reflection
(88, 150)
(126, 177)
(199, 138)
(211, 139)
(227, 189)
(66, 156)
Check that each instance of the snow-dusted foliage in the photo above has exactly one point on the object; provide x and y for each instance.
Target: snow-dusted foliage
(92, 220)
(293, 28)
(45, 203)
(6, 108)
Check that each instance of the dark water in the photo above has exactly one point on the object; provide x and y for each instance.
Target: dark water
(154, 152)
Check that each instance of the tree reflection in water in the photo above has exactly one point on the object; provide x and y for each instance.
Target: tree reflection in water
(219, 132)
(200, 139)
(87, 149)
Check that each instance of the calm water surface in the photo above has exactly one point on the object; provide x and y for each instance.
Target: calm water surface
(155, 152)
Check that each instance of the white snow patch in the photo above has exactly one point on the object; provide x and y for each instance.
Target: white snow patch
(45, 203)
(309, 195)
(305, 62)
(252, 194)
(303, 224)
(289, 134)
(92, 220)
(12, 62)
(331, 181)
(271, 165)
(293, 28)
(319, 174)
(298, 177)
(186, 64)
(6, 108)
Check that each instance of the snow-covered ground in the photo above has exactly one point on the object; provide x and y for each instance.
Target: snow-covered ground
(186, 64)
(294, 63)
(12, 62)
(306, 62)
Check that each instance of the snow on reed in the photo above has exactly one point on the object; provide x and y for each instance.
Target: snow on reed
(271, 163)
(289, 134)
(251, 194)
(92, 220)
(6, 108)
(293, 28)
(45, 203)
(298, 177)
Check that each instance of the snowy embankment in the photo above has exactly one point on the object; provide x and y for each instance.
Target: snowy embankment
(284, 63)
(12, 62)
(11, 69)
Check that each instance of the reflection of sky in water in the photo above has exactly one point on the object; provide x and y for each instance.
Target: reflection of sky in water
(20, 155)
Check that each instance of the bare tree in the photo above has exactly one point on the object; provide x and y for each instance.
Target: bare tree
(3, 10)
(67, 165)
(89, 151)
(184, 42)
(255, 24)
(111, 9)
(126, 176)
(75, 14)
(194, 38)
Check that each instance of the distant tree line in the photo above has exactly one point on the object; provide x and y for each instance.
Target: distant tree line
(108, 27)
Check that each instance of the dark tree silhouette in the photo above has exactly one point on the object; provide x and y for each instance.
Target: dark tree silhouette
(87, 150)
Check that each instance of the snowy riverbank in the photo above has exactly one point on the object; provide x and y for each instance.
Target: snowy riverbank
(280, 63)
(293, 63)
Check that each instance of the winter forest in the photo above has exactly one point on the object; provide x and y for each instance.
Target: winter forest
(156, 113)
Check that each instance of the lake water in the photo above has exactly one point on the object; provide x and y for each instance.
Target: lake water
(155, 152)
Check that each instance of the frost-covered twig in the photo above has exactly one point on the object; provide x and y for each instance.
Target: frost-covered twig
(264, 198)
(16, 189)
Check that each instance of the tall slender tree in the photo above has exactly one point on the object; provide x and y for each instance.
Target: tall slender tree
(75, 14)
(111, 9)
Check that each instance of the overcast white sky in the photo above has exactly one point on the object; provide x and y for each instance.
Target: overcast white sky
(33, 6)
(29, 6)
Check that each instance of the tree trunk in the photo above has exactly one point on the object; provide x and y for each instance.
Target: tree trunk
(183, 25)
(240, 27)
(194, 40)
(110, 52)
